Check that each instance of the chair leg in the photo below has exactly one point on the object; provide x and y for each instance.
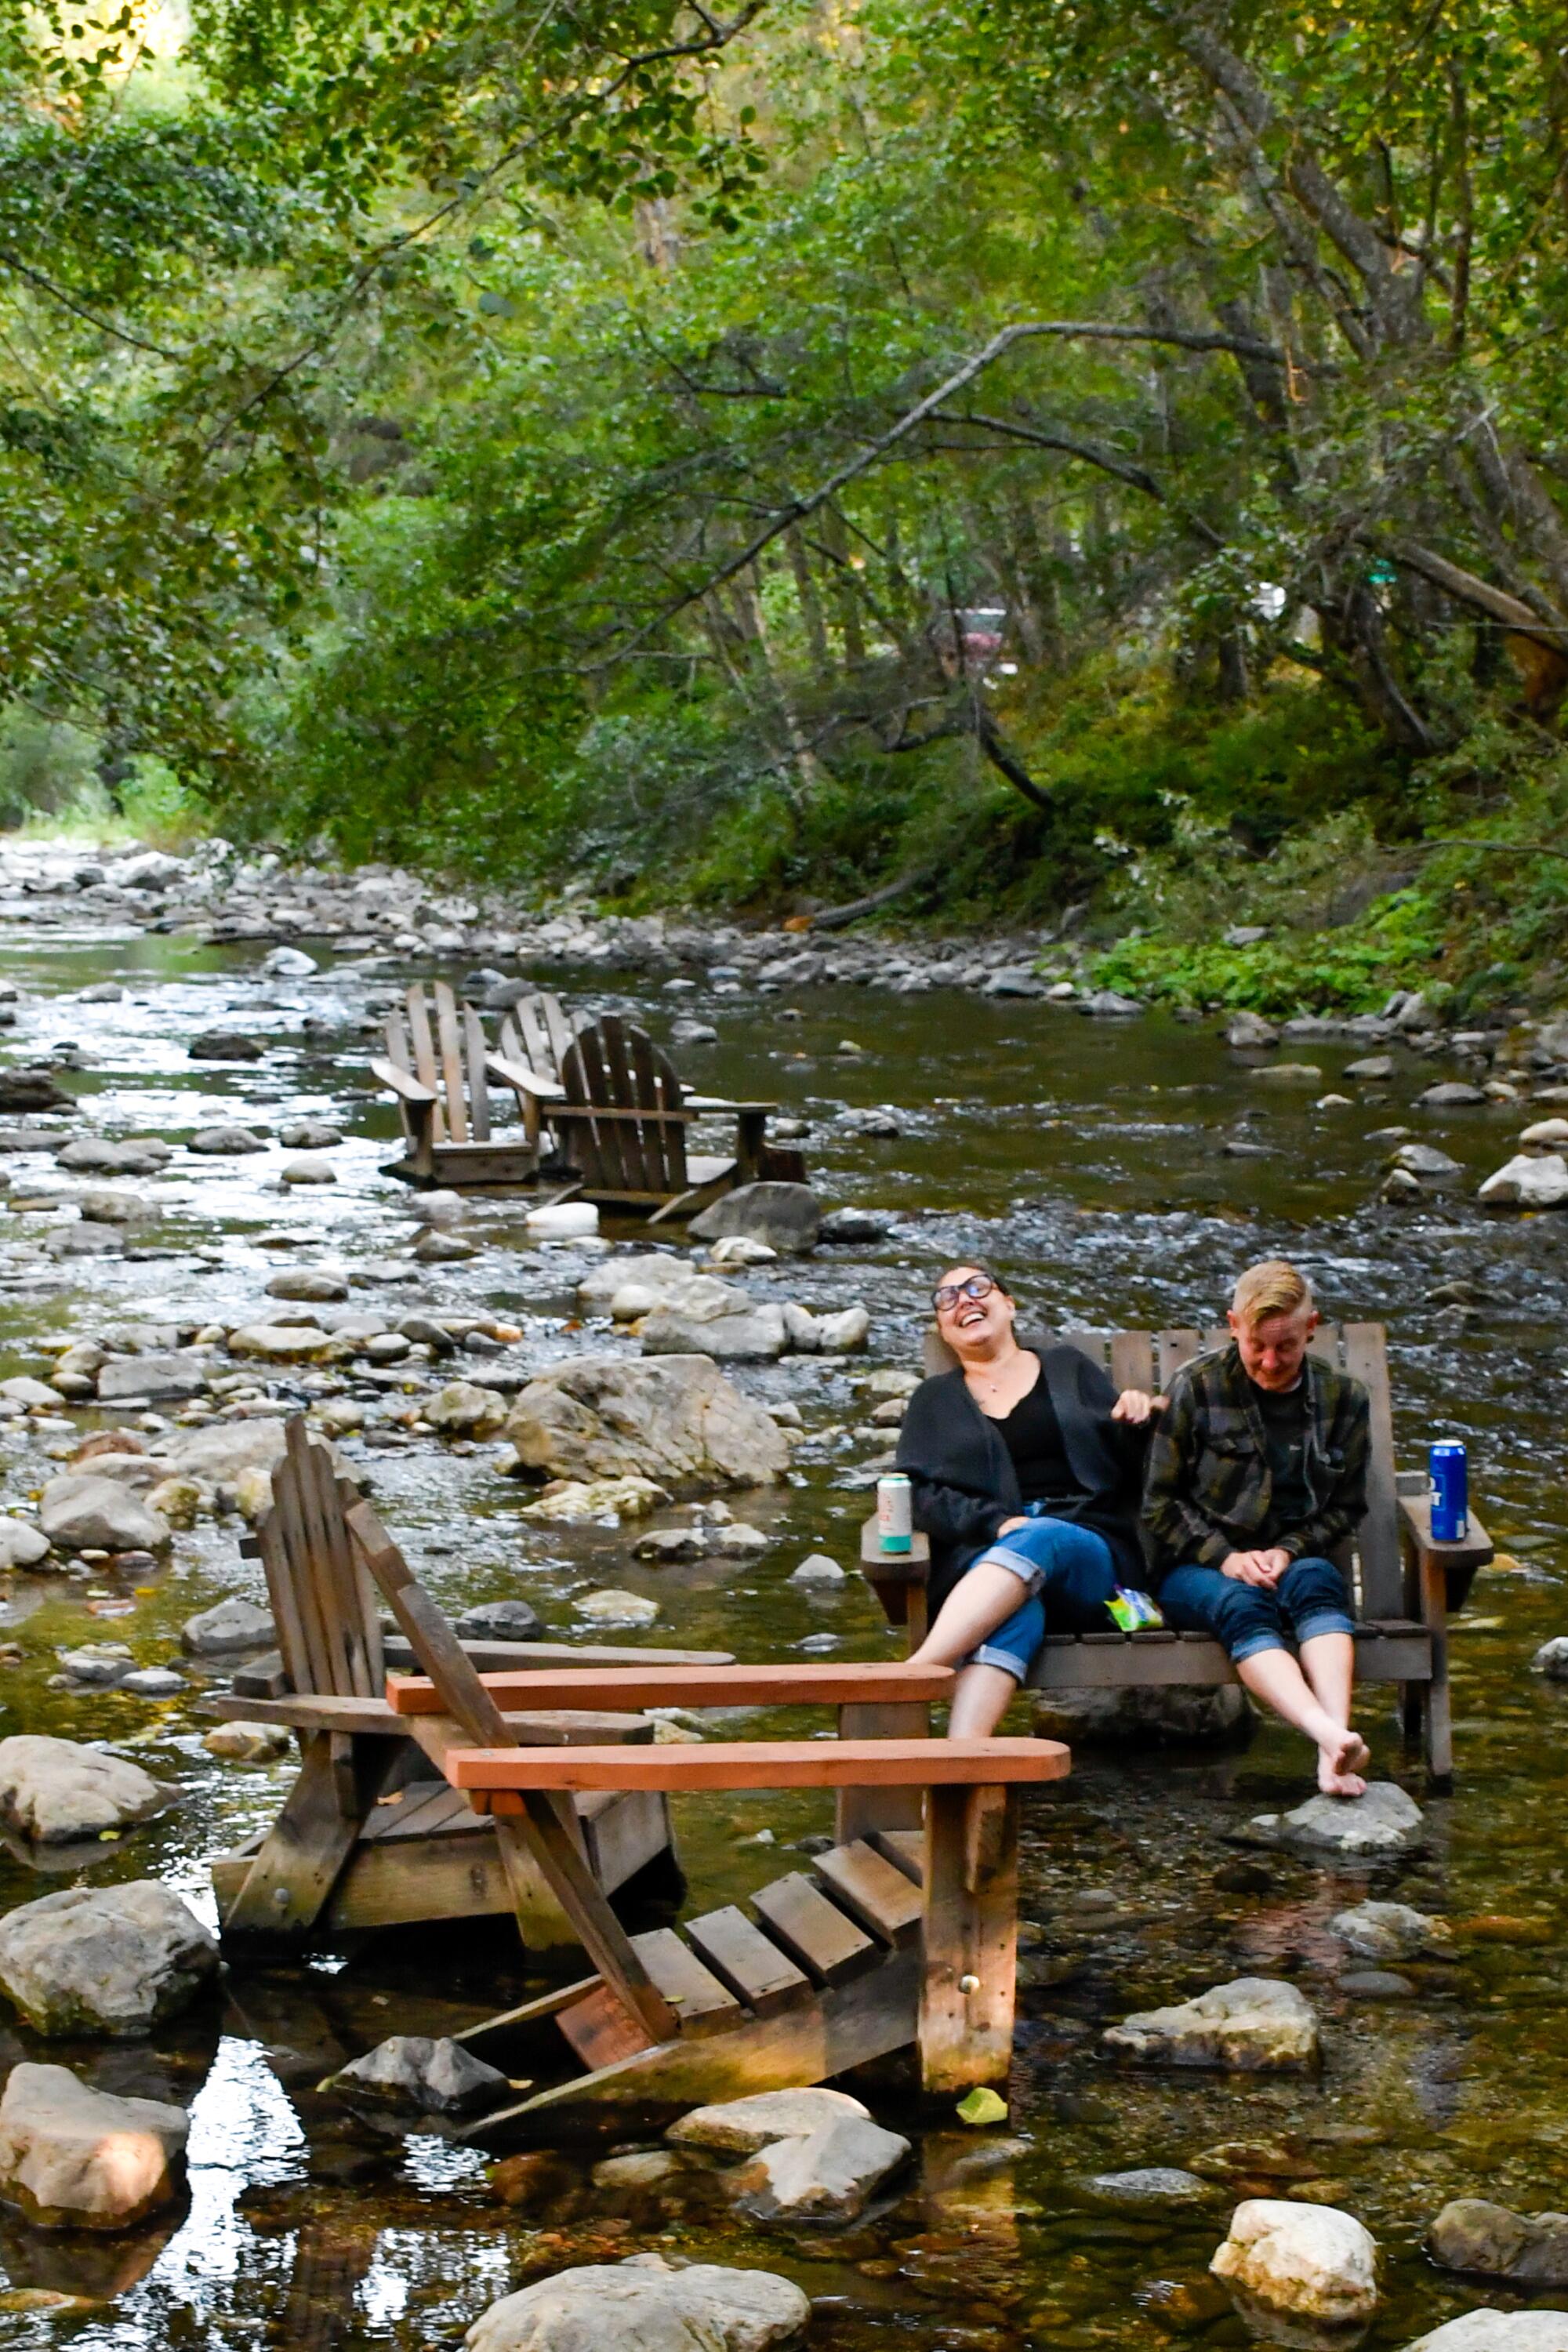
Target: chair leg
(1412, 1701)
(970, 1938)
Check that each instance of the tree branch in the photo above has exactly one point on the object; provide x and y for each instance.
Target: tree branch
(9, 260)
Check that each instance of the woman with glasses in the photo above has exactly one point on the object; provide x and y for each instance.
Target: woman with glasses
(1026, 1469)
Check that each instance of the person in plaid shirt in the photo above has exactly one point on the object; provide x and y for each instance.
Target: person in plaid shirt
(1257, 1475)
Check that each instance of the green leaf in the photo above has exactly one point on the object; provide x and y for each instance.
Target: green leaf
(982, 2105)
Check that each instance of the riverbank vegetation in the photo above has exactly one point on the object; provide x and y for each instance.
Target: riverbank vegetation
(1090, 465)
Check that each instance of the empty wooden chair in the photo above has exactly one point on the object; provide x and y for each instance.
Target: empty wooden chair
(440, 1064)
(622, 1125)
(372, 1834)
(1403, 1582)
(894, 1936)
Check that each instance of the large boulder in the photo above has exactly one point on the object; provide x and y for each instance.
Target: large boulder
(715, 1318)
(83, 1512)
(1528, 1180)
(1384, 1823)
(104, 1960)
(76, 2158)
(1171, 1715)
(673, 1417)
(181, 1373)
(54, 1791)
(646, 2305)
(785, 1217)
(1490, 2242)
(1253, 2025)
(1311, 2261)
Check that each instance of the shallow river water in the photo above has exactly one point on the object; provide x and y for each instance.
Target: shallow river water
(1089, 1158)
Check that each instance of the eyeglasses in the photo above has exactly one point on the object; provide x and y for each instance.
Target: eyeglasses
(979, 1285)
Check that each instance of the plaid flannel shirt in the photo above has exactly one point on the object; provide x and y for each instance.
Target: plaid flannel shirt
(1208, 1491)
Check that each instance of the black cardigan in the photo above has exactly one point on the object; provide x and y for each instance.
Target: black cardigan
(962, 1477)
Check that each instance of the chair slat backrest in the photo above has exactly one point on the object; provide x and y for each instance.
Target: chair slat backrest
(423, 1046)
(613, 1066)
(474, 1051)
(1132, 1358)
(449, 1046)
(323, 1604)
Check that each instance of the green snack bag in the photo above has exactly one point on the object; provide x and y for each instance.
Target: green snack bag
(1134, 1611)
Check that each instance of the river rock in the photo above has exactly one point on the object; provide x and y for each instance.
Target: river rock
(1384, 1822)
(840, 1334)
(21, 1543)
(228, 1628)
(1253, 2025)
(413, 2070)
(1424, 1162)
(627, 1288)
(843, 1228)
(715, 1318)
(1528, 1180)
(1152, 2186)
(741, 2126)
(463, 1410)
(305, 1172)
(317, 1286)
(613, 1607)
(287, 964)
(1371, 1070)
(828, 2175)
(501, 1620)
(646, 2305)
(84, 1239)
(675, 1418)
(144, 1155)
(228, 1138)
(28, 1090)
(1109, 1005)
(159, 1378)
(217, 1456)
(1176, 1715)
(1388, 1931)
(76, 2158)
(1498, 2331)
(224, 1045)
(281, 1343)
(1311, 2261)
(734, 1249)
(1245, 1031)
(785, 1217)
(1552, 1659)
(435, 1248)
(1546, 1134)
(309, 1135)
(248, 1743)
(595, 1502)
(818, 1571)
(83, 1512)
(1489, 2242)
(55, 1791)
(104, 1960)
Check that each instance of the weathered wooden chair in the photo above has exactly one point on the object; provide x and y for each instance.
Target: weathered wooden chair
(899, 1935)
(440, 1066)
(622, 1128)
(1403, 1582)
(372, 1834)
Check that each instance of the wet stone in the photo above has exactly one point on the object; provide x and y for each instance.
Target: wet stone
(229, 1138)
(224, 1045)
(413, 2070)
(1151, 2187)
(1377, 1984)
(1384, 1822)
(1490, 2240)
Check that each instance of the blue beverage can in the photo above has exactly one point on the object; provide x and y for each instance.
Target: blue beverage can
(1450, 1493)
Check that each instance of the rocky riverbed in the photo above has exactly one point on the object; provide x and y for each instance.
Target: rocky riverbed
(194, 1148)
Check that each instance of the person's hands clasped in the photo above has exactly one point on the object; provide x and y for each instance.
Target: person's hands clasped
(1136, 1405)
(1258, 1567)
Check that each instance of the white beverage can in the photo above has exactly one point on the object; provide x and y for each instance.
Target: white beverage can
(895, 1513)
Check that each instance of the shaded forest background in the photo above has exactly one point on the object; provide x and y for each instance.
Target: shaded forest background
(1096, 462)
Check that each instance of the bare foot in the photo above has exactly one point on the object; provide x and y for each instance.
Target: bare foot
(1340, 1767)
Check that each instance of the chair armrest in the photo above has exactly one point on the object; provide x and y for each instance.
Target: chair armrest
(413, 1090)
(911, 1567)
(1445, 1569)
(722, 1102)
(513, 1074)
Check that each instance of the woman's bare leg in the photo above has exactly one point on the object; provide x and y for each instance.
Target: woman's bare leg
(981, 1698)
(1274, 1676)
(984, 1596)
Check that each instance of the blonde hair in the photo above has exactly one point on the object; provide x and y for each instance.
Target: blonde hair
(1273, 1287)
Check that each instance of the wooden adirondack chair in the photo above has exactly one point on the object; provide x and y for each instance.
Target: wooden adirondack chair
(1403, 1582)
(622, 1128)
(372, 1834)
(440, 1064)
(897, 1936)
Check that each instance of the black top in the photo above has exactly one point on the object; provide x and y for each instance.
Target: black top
(1284, 1415)
(1033, 1437)
(966, 1482)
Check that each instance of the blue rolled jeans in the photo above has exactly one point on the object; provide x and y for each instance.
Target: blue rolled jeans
(1067, 1575)
(1309, 1600)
